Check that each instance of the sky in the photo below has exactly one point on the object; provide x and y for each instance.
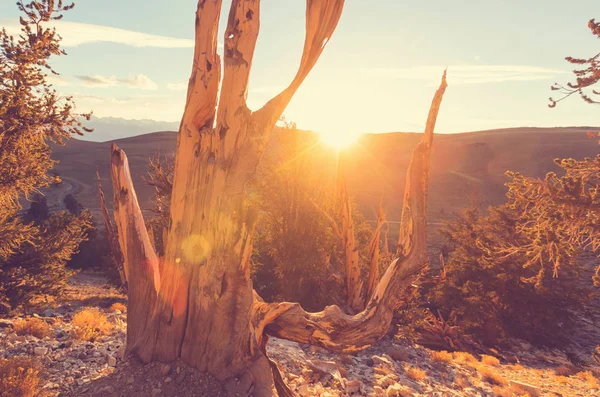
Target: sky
(132, 59)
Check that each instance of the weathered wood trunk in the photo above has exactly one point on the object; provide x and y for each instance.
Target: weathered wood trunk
(199, 307)
(198, 304)
(354, 285)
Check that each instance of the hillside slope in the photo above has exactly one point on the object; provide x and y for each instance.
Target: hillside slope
(466, 168)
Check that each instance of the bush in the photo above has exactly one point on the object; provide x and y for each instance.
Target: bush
(32, 117)
(488, 375)
(38, 268)
(118, 306)
(442, 357)
(32, 326)
(19, 377)
(88, 324)
(416, 374)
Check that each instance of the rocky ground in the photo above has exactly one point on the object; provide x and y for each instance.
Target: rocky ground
(392, 368)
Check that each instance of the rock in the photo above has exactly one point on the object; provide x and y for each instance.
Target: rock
(303, 390)
(369, 361)
(156, 392)
(353, 386)
(384, 359)
(16, 338)
(168, 379)
(40, 351)
(387, 380)
(533, 391)
(397, 390)
(48, 313)
(130, 380)
(111, 361)
(398, 354)
(165, 369)
(121, 353)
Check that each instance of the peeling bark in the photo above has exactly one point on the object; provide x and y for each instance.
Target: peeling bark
(199, 308)
(139, 260)
(354, 283)
(374, 254)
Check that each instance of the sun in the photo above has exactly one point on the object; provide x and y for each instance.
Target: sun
(338, 140)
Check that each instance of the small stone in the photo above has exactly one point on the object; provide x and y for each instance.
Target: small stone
(48, 313)
(121, 353)
(165, 369)
(130, 380)
(111, 361)
(303, 390)
(40, 351)
(384, 359)
(398, 354)
(369, 361)
(533, 391)
(168, 379)
(16, 338)
(156, 392)
(353, 386)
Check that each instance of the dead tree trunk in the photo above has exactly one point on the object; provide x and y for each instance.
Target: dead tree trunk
(113, 244)
(338, 332)
(374, 254)
(354, 284)
(199, 305)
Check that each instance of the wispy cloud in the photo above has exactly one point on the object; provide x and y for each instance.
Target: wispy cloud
(177, 86)
(75, 34)
(139, 81)
(468, 74)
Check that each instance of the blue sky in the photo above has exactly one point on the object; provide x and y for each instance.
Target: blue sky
(377, 74)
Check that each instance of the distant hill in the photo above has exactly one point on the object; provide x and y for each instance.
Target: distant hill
(466, 168)
(110, 128)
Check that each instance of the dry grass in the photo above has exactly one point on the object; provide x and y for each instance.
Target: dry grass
(488, 375)
(416, 374)
(118, 306)
(464, 358)
(442, 357)
(90, 324)
(32, 326)
(591, 380)
(561, 380)
(490, 360)
(516, 367)
(19, 377)
(502, 392)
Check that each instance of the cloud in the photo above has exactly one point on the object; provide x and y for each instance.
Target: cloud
(468, 74)
(139, 81)
(177, 86)
(76, 33)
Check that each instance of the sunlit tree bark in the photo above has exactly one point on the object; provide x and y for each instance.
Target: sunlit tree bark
(199, 304)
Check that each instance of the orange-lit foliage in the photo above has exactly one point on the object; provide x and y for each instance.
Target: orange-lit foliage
(32, 116)
(585, 78)
(89, 324)
(416, 374)
(515, 272)
(32, 326)
(118, 306)
(442, 357)
(19, 377)
(488, 375)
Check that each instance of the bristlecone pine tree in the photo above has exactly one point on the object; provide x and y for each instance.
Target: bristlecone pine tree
(200, 306)
(32, 115)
